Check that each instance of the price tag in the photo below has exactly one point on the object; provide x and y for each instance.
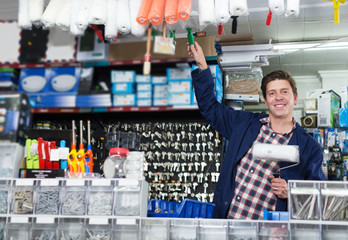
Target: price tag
(101, 182)
(24, 182)
(49, 182)
(45, 220)
(54, 155)
(127, 182)
(125, 221)
(75, 182)
(98, 221)
(19, 219)
(63, 152)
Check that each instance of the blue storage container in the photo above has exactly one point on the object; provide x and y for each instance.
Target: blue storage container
(188, 208)
(275, 215)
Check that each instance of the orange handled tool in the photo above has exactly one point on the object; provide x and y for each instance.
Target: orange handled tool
(72, 157)
(81, 152)
(89, 153)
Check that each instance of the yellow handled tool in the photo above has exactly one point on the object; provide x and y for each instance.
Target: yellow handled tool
(72, 157)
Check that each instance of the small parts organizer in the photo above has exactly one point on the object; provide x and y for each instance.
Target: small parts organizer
(73, 197)
(318, 201)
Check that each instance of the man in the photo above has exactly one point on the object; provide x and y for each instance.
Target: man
(247, 187)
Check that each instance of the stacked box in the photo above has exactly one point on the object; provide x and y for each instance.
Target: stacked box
(160, 91)
(179, 86)
(328, 109)
(144, 90)
(123, 88)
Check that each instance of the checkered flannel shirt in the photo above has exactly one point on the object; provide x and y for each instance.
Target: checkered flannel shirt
(253, 188)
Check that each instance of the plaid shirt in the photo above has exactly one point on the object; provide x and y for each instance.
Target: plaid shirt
(253, 188)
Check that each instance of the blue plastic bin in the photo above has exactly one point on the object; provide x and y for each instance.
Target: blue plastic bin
(188, 208)
(275, 215)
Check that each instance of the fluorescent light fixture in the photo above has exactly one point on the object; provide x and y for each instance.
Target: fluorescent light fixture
(325, 48)
(293, 47)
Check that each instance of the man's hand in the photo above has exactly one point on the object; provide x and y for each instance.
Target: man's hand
(279, 187)
(196, 52)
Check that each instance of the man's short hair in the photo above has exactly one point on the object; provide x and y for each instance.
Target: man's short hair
(278, 75)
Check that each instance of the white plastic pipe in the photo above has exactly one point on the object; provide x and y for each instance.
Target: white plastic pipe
(123, 19)
(23, 15)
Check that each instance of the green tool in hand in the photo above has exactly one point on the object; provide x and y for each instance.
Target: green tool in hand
(191, 40)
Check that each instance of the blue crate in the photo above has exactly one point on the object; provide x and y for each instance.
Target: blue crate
(188, 208)
(275, 215)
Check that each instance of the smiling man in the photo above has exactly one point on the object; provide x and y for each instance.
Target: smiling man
(246, 187)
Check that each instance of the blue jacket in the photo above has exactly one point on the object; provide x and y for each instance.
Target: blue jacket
(241, 129)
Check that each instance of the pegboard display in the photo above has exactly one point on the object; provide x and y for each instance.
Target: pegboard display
(183, 157)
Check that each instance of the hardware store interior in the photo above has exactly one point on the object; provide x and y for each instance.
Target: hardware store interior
(101, 136)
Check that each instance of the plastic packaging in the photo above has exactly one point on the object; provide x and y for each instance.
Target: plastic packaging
(111, 19)
(114, 164)
(276, 6)
(157, 11)
(206, 12)
(36, 8)
(81, 22)
(134, 165)
(123, 19)
(292, 8)
(171, 11)
(63, 20)
(23, 15)
(49, 16)
(184, 9)
(136, 29)
(97, 12)
(238, 8)
(222, 13)
(143, 13)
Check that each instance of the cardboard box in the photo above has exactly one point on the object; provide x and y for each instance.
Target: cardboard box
(136, 50)
(328, 109)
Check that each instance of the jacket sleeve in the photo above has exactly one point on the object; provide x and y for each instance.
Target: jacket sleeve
(222, 118)
(314, 170)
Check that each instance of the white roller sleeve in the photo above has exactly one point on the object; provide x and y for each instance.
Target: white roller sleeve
(36, 8)
(238, 8)
(222, 12)
(275, 152)
(23, 14)
(206, 12)
(97, 12)
(63, 19)
(76, 6)
(292, 7)
(136, 29)
(276, 6)
(49, 16)
(111, 19)
(123, 19)
(82, 15)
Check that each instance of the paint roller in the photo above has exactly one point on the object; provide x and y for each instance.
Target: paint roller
(157, 11)
(276, 153)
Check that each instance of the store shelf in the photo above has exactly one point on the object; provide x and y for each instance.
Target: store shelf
(115, 109)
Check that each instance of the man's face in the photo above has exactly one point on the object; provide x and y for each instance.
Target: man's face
(280, 99)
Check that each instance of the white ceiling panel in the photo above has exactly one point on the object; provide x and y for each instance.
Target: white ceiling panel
(289, 32)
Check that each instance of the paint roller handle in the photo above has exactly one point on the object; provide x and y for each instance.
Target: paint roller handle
(276, 174)
(191, 40)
